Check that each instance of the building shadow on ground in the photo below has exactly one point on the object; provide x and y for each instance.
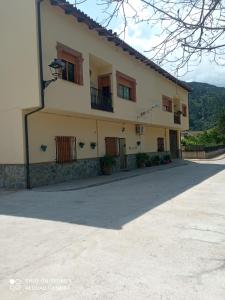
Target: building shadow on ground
(111, 205)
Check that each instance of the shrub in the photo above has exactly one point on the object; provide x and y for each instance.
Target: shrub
(148, 163)
(107, 161)
(141, 159)
(167, 158)
(155, 160)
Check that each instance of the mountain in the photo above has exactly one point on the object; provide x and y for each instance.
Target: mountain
(205, 104)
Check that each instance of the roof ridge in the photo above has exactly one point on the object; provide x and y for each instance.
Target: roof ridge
(111, 36)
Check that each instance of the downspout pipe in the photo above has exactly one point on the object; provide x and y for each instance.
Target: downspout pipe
(26, 117)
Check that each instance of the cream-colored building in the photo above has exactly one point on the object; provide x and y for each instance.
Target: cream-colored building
(109, 99)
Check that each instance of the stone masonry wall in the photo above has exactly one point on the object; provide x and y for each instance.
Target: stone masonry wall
(14, 176)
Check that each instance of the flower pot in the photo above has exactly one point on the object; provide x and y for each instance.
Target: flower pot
(107, 170)
(148, 164)
(81, 145)
(141, 164)
(93, 145)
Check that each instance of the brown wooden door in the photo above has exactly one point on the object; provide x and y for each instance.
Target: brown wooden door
(111, 146)
(104, 82)
(174, 149)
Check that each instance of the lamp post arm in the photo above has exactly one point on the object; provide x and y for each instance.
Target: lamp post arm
(46, 83)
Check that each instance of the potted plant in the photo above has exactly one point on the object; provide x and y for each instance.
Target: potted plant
(167, 159)
(43, 148)
(148, 163)
(107, 162)
(81, 144)
(155, 160)
(138, 143)
(93, 145)
(141, 159)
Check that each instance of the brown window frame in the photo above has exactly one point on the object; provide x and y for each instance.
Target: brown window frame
(65, 149)
(184, 110)
(160, 144)
(167, 104)
(126, 82)
(71, 57)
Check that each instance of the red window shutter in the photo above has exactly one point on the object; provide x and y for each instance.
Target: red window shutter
(111, 146)
(167, 103)
(74, 57)
(184, 110)
(170, 105)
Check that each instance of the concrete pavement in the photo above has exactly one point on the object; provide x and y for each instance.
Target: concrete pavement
(157, 236)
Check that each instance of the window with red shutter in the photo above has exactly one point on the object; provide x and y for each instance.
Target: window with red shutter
(126, 87)
(112, 146)
(184, 110)
(73, 60)
(167, 103)
(65, 149)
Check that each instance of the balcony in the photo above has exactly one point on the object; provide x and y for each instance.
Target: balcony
(177, 118)
(101, 100)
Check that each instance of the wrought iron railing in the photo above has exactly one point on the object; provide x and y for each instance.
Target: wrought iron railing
(101, 100)
(177, 118)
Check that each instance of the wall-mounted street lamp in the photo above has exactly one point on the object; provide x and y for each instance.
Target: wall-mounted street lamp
(56, 67)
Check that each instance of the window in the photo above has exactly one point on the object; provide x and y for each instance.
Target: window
(68, 72)
(126, 87)
(166, 103)
(73, 60)
(184, 110)
(112, 146)
(65, 149)
(160, 142)
(124, 92)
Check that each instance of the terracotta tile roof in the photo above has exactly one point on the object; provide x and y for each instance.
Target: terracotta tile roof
(81, 17)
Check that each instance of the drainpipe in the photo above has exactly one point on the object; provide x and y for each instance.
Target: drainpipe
(26, 117)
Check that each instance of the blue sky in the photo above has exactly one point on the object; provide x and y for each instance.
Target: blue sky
(141, 37)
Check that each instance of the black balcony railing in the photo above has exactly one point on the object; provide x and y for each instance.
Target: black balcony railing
(101, 99)
(177, 118)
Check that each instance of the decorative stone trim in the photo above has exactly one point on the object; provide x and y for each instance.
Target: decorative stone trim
(50, 173)
(14, 176)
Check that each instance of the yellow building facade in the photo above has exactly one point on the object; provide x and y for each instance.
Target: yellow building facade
(107, 90)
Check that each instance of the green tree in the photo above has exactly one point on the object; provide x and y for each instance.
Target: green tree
(221, 127)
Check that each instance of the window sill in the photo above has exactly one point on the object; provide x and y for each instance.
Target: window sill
(166, 111)
(71, 82)
(128, 100)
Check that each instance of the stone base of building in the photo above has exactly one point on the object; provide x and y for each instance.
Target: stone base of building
(14, 176)
(50, 173)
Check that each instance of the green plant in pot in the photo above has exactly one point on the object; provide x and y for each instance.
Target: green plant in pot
(141, 159)
(92, 145)
(148, 163)
(81, 144)
(167, 159)
(155, 160)
(107, 162)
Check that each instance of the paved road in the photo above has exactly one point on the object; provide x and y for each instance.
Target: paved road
(158, 236)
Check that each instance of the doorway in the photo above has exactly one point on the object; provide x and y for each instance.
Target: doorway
(174, 148)
(122, 153)
(104, 86)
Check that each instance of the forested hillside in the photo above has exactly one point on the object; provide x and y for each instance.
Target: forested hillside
(206, 103)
